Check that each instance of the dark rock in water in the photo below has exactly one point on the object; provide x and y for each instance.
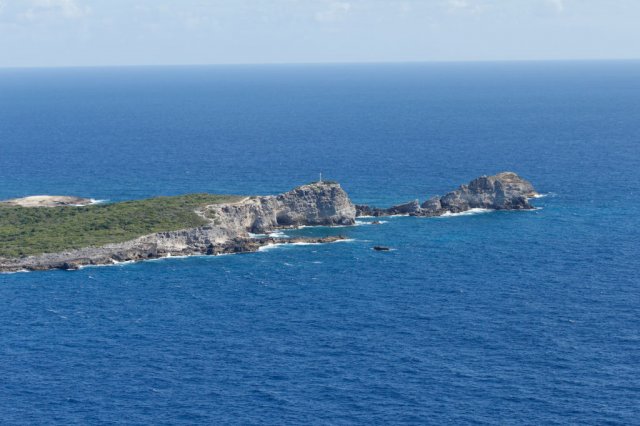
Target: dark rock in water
(407, 208)
(381, 248)
(364, 210)
(504, 191)
(376, 222)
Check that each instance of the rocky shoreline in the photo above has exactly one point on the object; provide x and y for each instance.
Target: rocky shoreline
(231, 225)
(229, 230)
(504, 191)
(127, 252)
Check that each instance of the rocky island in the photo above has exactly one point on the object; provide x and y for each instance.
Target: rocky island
(504, 191)
(73, 235)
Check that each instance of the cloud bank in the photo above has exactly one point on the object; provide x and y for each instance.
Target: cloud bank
(122, 32)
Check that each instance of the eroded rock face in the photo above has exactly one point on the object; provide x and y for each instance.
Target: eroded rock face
(320, 203)
(504, 191)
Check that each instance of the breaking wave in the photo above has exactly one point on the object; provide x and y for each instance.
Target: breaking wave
(271, 246)
(470, 212)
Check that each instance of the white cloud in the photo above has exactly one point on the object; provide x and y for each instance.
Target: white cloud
(65, 8)
(336, 11)
(558, 5)
(470, 6)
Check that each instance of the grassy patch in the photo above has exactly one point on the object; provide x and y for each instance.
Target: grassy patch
(27, 231)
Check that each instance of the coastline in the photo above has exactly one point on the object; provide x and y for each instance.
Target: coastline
(251, 246)
(256, 223)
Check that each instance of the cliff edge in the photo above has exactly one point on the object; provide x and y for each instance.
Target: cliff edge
(319, 203)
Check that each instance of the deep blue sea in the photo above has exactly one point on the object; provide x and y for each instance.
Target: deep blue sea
(494, 318)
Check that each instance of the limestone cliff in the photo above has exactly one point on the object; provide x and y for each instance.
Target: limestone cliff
(320, 203)
(504, 191)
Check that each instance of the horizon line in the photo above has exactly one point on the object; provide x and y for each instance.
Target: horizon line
(416, 62)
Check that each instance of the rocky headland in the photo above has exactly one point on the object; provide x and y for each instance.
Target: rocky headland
(230, 227)
(228, 230)
(504, 191)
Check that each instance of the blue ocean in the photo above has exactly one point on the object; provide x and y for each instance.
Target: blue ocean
(527, 317)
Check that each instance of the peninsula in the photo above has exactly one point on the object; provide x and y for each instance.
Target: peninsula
(40, 236)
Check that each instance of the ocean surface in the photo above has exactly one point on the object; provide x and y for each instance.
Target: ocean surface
(491, 318)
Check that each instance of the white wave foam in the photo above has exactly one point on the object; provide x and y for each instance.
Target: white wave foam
(117, 263)
(362, 222)
(548, 194)
(169, 256)
(21, 271)
(94, 201)
(278, 234)
(300, 243)
(469, 212)
(322, 226)
(91, 202)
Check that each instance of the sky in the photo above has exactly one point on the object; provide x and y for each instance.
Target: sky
(51, 33)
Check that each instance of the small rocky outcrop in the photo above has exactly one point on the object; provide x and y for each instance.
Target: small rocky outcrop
(410, 208)
(504, 191)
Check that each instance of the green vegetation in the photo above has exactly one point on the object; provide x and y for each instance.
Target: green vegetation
(27, 231)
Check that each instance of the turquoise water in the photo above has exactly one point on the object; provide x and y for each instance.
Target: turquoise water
(503, 317)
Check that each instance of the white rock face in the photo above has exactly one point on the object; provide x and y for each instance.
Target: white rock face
(320, 203)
